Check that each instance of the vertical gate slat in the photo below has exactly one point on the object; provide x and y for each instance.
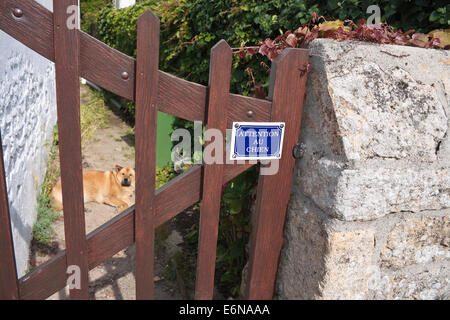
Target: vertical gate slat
(66, 44)
(8, 273)
(146, 115)
(219, 86)
(287, 89)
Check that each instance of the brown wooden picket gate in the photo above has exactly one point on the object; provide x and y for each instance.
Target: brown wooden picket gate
(76, 54)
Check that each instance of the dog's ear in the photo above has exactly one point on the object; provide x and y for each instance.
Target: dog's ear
(118, 168)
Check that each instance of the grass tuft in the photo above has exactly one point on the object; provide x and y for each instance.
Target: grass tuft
(42, 229)
(94, 115)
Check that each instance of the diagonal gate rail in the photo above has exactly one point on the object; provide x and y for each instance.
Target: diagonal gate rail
(76, 54)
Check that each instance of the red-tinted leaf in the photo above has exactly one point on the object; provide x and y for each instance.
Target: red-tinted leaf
(269, 43)
(271, 55)
(263, 50)
(259, 92)
(291, 40)
(251, 51)
(435, 42)
(407, 33)
(419, 40)
(442, 35)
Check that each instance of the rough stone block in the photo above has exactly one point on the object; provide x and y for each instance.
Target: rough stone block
(375, 189)
(375, 129)
(431, 282)
(369, 216)
(395, 257)
(321, 259)
(417, 241)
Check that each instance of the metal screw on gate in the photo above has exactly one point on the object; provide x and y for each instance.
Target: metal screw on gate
(125, 75)
(17, 12)
(298, 151)
(250, 113)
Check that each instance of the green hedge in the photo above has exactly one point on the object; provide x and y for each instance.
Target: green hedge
(117, 27)
(189, 28)
(420, 15)
(89, 10)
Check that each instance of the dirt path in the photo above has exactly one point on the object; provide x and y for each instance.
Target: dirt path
(115, 279)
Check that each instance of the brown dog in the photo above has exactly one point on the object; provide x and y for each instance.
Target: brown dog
(111, 187)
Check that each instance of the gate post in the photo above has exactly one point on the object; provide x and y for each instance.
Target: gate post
(147, 79)
(8, 273)
(287, 90)
(217, 110)
(67, 57)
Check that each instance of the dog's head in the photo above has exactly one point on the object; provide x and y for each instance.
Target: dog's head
(126, 176)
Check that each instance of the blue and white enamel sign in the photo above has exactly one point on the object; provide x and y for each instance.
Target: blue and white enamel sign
(257, 140)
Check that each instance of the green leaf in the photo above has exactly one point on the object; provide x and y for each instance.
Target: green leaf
(236, 206)
(434, 16)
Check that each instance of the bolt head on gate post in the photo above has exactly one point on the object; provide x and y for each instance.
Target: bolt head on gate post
(17, 12)
(298, 151)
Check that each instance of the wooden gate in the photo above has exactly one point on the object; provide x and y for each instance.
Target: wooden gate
(76, 54)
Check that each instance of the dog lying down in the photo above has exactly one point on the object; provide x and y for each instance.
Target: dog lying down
(114, 188)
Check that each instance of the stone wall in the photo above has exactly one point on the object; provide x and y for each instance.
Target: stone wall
(369, 215)
(27, 117)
